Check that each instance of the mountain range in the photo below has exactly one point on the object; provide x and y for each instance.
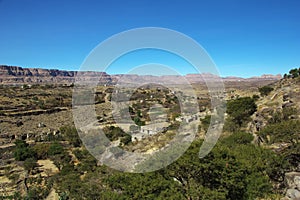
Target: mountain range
(18, 75)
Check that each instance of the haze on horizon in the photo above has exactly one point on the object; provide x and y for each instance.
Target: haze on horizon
(244, 38)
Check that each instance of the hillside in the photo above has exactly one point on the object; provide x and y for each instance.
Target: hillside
(257, 157)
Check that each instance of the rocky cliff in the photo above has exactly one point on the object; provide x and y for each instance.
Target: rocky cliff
(19, 75)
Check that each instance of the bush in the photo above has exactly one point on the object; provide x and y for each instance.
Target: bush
(138, 121)
(23, 151)
(70, 134)
(294, 73)
(205, 122)
(255, 97)
(41, 150)
(55, 148)
(283, 115)
(265, 90)
(239, 138)
(30, 164)
(241, 109)
(114, 133)
(230, 126)
(284, 131)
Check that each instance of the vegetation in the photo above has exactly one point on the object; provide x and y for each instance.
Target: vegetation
(288, 133)
(205, 122)
(265, 90)
(70, 134)
(293, 73)
(282, 115)
(113, 133)
(55, 148)
(23, 151)
(284, 131)
(138, 121)
(235, 169)
(241, 109)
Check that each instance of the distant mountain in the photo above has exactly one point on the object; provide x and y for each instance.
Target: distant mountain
(19, 75)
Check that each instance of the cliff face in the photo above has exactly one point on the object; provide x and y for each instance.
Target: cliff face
(19, 75)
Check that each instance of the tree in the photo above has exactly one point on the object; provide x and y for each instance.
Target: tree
(55, 148)
(265, 90)
(114, 133)
(255, 97)
(205, 122)
(241, 109)
(294, 72)
(30, 164)
(239, 138)
(70, 134)
(23, 151)
(41, 150)
(138, 121)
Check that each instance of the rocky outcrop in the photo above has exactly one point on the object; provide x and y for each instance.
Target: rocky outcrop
(292, 182)
(19, 75)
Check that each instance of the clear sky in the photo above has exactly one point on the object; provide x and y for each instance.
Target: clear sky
(243, 37)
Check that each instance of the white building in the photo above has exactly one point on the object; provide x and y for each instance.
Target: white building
(154, 128)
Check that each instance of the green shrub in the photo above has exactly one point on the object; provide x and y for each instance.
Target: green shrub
(30, 164)
(294, 72)
(255, 97)
(241, 109)
(41, 150)
(23, 151)
(239, 138)
(284, 131)
(114, 133)
(265, 90)
(55, 148)
(69, 133)
(205, 122)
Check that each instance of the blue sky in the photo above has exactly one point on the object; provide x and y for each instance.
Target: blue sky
(244, 38)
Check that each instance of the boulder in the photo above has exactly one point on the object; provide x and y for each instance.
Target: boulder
(293, 194)
(41, 125)
(285, 97)
(292, 180)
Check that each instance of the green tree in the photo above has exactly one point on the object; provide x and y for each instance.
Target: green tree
(241, 109)
(70, 134)
(41, 150)
(205, 122)
(138, 121)
(294, 72)
(114, 133)
(30, 164)
(265, 90)
(238, 138)
(55, 148)
(23, 151)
